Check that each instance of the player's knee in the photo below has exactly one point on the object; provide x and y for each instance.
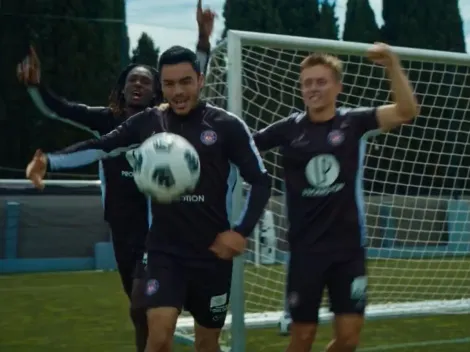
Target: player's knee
(161, 326)
(206, 340)
(348, 331)
(303, 334)
(347, 341)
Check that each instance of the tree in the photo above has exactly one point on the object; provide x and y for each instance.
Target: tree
(252, 15)
(145, 53)
(298, 17)
(327, 26)
(82, 68)
(442, 91)
(435, 24)
(360, 24)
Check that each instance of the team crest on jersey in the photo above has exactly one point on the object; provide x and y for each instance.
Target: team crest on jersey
(208, 137)
(335, 137)
(152, 287)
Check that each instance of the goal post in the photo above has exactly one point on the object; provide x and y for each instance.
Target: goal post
(413, 180)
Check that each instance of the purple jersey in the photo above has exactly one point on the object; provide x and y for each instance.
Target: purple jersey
(320, 163)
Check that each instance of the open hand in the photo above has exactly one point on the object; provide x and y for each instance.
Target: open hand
(382, 54)
(36, 169)
(29, 70)
(205, 20)
(228, 244)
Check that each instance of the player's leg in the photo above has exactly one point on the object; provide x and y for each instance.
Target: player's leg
(207, 301)
(347, 290)
(165, 291)
(125, 259)
(138, 310)
(305, 285)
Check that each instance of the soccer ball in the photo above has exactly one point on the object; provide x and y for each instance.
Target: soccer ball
(165, 166)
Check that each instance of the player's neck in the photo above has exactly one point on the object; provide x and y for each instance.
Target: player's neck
(323, 115)
(131, 111)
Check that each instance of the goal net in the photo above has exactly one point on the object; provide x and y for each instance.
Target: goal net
(413, 181)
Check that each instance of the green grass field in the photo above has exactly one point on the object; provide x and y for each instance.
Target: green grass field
(87, 311)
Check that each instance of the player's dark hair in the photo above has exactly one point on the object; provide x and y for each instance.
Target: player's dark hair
(178, 54)
(117, 102)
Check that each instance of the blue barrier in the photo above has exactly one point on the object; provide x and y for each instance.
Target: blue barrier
(458, 212)
(12, 220)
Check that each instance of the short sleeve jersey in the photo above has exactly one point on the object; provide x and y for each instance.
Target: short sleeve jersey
(320, 163)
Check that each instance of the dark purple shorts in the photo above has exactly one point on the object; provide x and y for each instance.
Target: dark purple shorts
(343, 274)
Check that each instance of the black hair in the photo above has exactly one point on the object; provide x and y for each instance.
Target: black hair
(178, 54)
(116, 98)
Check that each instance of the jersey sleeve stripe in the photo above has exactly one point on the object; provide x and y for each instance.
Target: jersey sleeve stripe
(82, 157)
(39, 102)
(203, 59)
(253, 147)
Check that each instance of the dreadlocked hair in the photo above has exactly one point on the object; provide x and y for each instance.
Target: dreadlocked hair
(117, 103)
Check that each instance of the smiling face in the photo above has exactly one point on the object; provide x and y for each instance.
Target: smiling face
(138, 89)
(320, 82)
(181, 86)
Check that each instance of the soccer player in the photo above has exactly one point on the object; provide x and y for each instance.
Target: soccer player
(190, 244)
(125, 208)
(320, 158)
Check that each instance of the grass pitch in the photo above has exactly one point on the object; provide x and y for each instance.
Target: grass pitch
(86, 311)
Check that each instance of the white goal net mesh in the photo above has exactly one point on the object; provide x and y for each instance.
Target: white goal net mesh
(415, 182)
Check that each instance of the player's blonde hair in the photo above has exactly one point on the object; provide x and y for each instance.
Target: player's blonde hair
(330, 61)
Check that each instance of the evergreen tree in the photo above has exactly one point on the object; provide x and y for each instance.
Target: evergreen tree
(440, 89)
(251, 15)
(360, 24)
(145, 53)
(327, 26)
(79, 60)
(435, 24)
(298, 17)
(451, 23)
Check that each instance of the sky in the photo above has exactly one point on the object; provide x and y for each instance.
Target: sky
(173, 22)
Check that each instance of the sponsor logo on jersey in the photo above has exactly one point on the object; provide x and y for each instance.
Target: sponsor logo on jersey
(192, 198)
(300, 141)
(335, 137)
(127, 173)
(322, 172)
(208, 137)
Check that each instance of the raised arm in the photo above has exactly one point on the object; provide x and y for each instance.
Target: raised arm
(122, 139)
(93, 119)
(127, 136)
(205, 22)
(243, 153)
(405, 106)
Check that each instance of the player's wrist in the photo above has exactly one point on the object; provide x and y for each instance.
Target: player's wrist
(394, 64)
(241, 231)
(203, 43)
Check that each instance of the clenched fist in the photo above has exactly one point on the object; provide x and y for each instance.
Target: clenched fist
(381, 54)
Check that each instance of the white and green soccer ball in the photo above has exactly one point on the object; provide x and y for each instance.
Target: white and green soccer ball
(165, 167)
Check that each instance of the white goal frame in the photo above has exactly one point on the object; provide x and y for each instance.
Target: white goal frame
(238, 321)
